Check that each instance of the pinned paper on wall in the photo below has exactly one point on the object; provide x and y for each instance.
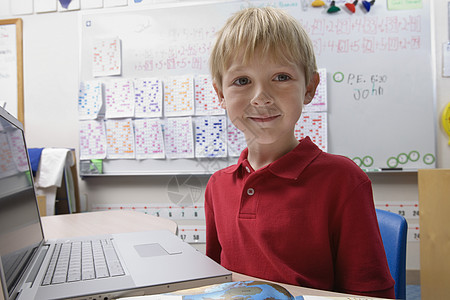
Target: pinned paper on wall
(41, 6)
(92, 139)
(90, 100)
(148, 97)
(179, 96)
(66, 5)
(107, 57)
(206, 100)
(113, 3)
(119, 98)
(179, 138)
(149, 138)
(319, 102)
(21, 7)
(211, 136)
(236, 140)
(404, 4)
(313, 125)
(87, 4)
(120, 139)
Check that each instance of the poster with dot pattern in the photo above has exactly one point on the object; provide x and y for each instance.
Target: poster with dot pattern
(149, 138)
(92, 139)
(179, 96)
(236, 140)
(120, 139)
(119, 98)
(211, 136)
(90, 100)
(106, 57)
(206, 100)
(148, 97)
(179, 137)
(313, 125)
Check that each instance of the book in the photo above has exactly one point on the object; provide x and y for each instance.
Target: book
(239, 290)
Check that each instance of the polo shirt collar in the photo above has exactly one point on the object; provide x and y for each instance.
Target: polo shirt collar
(290, 165)
(242, 158)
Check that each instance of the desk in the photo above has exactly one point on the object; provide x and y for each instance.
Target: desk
(103, 222)
(106, 222)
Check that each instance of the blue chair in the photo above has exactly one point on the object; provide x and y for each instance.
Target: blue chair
(393, 229)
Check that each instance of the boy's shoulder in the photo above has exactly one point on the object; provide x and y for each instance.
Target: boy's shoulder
(338, 165)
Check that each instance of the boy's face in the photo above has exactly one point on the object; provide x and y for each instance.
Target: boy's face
(264, 98)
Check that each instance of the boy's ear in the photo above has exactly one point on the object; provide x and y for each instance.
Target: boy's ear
(220, 95)
(311, 88)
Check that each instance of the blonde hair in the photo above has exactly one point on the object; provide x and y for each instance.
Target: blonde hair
(267, 29)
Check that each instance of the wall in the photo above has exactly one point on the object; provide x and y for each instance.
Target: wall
(51, 61)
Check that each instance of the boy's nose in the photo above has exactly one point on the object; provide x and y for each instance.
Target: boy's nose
(262, 99)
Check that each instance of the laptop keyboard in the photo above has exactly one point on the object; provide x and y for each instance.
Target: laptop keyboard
(83, 260)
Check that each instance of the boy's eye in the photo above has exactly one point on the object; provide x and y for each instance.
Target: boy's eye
(242, 81)
(282, 77)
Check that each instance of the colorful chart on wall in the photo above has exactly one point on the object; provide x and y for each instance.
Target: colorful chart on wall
(375, 103)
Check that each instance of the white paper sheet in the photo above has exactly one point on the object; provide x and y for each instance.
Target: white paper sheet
(90, 100)
(179, 96)
(119, 98)
(21, 7)
(178, 137)
(313, 125)
(149, 138)
(211, 136)
(236, 140)
(206, 100)
(41, 6)
(120, 139)
(92, 139)
(148, 97)
(107, 57)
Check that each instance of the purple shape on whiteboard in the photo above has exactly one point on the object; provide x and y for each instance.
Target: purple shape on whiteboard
(65, 3)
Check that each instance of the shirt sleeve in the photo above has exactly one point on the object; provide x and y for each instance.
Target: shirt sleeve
(360, 264)
(213, 248)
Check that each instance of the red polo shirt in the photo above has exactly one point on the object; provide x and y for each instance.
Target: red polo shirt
(306, 219)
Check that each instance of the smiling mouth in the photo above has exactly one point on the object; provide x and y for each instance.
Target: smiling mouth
(264, 119)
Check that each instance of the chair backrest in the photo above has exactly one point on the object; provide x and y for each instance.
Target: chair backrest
(393, 229)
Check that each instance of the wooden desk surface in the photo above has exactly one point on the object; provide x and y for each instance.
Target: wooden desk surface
(102, 222)
(105, 222)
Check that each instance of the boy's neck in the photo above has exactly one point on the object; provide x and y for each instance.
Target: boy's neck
(260, 155)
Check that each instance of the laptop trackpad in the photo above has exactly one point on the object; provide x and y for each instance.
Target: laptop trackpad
(150, 250)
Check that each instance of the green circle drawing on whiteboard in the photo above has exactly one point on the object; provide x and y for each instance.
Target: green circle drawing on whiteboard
(338, 77)
(414, 155)
(392, 162)
(367, 161)
(402, 158)
(357, 160)
(429, 159)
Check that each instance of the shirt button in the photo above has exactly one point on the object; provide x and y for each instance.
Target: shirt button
(247, 169)
(250, 192)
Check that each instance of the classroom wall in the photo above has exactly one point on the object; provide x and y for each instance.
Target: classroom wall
(51, 62)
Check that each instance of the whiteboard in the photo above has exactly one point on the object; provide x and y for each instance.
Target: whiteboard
(11, 71)
(379, 65)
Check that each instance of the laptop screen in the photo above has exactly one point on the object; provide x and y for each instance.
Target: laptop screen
(20, 228)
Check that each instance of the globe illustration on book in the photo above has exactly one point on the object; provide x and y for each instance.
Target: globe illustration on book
(248, 290)
(184, 190)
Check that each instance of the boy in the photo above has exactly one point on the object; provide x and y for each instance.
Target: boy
(287, 211)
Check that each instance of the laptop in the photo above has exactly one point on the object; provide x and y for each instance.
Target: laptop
(101, 267)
